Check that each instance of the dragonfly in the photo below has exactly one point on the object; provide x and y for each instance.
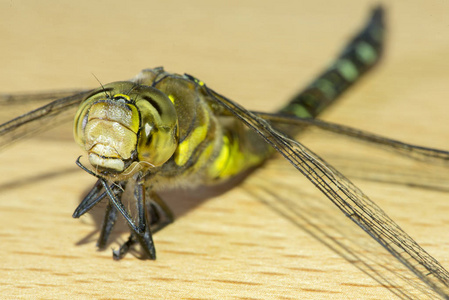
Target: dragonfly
(161, 129)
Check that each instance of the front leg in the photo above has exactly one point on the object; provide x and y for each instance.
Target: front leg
(153, 216)
(143, 235)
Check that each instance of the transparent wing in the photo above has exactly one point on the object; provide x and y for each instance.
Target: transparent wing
(37, 120)
(413, 151)
(22, 98)
(348, 198)
(369, 156)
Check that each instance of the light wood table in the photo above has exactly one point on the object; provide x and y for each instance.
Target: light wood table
(235, 244)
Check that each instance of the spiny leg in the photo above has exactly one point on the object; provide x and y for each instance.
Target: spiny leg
(108, 223)
(143, 235)
(92, 198)
(110, 217)
(145, 239)
(158, 215)
(114, 192)
(124, 248)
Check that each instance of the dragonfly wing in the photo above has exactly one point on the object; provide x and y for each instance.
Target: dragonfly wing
(40, 119)
(39, 97)
(413, 151)
(348, 198)
(367, 156)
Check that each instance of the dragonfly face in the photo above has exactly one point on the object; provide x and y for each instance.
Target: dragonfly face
(125, 127)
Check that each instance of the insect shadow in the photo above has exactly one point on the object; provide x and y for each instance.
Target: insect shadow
(180, 200)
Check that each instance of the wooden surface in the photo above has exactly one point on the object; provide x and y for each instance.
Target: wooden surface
(239, 243)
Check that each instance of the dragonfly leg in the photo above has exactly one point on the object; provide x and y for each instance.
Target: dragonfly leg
(158, 216)
(143, 236)
(124, 248)
(108, 223)
(92, 198)
(109, 218)
(146, 242)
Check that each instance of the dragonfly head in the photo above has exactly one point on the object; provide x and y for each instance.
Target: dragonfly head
(125, 127)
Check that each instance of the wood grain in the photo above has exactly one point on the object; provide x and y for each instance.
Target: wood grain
(266, 238)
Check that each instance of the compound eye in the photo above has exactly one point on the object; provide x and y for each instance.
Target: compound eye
(158, 135)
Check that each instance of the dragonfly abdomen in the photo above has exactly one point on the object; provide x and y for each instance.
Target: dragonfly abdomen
(359, 56)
